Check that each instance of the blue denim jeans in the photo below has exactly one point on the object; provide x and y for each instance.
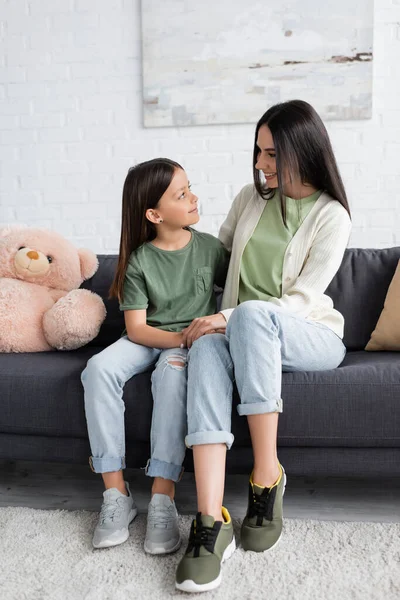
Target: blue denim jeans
(261, 341)
(103, 380)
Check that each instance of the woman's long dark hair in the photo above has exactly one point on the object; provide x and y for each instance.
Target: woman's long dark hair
(144, 185)
(303, 149)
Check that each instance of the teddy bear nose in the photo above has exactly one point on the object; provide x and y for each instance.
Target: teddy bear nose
(32, 254)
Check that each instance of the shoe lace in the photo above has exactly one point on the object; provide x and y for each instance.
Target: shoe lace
(200, 535)
(159, 517)
(261, 505)
(110, 511)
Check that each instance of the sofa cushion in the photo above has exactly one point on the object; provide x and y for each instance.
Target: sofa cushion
(386, 335)
(354, 405)
(100, 283)
(49, 395)
(359, 289)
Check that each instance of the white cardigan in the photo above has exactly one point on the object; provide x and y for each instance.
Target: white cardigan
(311, 260)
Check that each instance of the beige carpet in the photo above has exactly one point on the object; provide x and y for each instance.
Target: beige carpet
(47, 555)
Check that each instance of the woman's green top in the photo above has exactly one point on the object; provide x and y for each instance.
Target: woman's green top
(262, 260)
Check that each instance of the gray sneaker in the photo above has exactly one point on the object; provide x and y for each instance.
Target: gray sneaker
(162, 533)
(117, 511)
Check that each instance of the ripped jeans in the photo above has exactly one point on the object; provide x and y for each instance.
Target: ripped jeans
(103, 380)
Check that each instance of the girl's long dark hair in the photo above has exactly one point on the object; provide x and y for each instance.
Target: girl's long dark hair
(144, 185)
(303, 149)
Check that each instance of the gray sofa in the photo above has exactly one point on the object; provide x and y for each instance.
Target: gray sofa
(340, 422)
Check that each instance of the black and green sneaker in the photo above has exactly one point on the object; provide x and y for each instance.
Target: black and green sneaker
(262, 526)
(210, 543)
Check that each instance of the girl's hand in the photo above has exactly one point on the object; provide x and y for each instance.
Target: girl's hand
(201, 326)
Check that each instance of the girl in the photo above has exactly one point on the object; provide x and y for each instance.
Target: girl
(288, 232)
(164, 279)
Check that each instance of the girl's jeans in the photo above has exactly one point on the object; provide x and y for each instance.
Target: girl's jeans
(261, 341)
(103, 380)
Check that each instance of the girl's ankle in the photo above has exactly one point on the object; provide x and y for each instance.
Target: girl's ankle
(163, 486)
(116, 483)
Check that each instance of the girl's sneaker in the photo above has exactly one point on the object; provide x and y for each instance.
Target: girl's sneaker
(162, 533)
(210, 543)
(117, 511)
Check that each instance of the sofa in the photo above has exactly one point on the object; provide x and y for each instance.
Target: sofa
(341, 422)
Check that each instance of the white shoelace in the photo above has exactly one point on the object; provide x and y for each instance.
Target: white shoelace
(110, 511)
(160, 517)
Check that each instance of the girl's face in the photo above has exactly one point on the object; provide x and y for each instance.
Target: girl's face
(266, 159)
(177, 206)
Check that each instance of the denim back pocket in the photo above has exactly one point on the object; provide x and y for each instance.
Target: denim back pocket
(204, 279)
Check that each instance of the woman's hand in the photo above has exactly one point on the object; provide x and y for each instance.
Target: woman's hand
(201, 326)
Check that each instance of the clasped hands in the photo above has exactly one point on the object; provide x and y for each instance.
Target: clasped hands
(202, 326)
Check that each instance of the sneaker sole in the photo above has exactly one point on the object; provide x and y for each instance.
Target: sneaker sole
(278, 540)
(192, 587)
(161, 549)
(109, 543)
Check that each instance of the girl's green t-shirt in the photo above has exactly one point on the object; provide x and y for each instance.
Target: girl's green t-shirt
(262, 261)
(175, 286)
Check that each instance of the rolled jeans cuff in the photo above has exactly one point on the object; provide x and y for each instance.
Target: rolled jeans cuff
(209, 437)
(106, 465)
(259, 408)
(159, 468)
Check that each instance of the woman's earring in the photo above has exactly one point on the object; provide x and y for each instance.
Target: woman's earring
(161, 221)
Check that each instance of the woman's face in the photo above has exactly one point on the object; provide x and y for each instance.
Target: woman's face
(266, 159)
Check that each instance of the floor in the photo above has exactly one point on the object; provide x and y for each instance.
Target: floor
(59, 486)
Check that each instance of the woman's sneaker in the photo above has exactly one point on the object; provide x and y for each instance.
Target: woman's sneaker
(162, 533)
(262, 526)
(117, 511)
(210, 543)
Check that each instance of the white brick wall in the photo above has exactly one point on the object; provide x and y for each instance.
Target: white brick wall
(70, 126)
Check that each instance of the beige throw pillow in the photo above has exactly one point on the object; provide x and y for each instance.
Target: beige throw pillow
(386, 335)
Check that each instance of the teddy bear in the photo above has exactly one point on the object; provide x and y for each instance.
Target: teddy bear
(41, 308)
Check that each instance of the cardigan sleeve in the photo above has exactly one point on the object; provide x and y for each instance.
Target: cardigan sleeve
(227, 312)
(228, 227)
(226, 234)
(321, 265)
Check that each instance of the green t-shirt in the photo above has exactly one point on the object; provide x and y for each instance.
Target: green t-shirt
(175, 286)
(262, 261)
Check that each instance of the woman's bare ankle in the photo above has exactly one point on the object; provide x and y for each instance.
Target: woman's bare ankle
(266, 476)
(214, 512)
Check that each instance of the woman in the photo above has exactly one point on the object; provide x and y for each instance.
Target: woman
(287, 234)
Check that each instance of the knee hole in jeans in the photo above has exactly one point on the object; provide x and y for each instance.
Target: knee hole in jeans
(176, 362)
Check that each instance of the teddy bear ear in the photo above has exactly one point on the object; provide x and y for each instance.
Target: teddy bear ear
(89, 263)
(6, 229)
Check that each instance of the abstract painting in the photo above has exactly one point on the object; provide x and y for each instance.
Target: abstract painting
(227, 61)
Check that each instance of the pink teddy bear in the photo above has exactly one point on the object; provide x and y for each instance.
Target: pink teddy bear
(40, 306)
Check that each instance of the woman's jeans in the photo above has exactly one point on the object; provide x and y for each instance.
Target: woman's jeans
(261, 341)
(103, 380)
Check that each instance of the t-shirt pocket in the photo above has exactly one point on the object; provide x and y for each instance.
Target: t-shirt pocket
(204, 279)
